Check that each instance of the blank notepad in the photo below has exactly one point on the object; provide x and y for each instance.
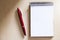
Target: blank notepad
(41, 19)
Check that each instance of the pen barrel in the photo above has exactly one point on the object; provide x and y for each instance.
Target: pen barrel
(22, 24)
(21, 21)
(20, 17)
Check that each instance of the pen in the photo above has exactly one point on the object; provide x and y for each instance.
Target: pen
(21, 20)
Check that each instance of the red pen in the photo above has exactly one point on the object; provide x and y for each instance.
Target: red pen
(21, 20)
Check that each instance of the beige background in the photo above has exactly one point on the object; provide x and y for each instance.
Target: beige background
(9, 22)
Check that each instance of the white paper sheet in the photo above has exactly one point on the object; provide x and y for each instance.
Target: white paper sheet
(41, 21)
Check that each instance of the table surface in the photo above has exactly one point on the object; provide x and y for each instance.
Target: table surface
(10, 28)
